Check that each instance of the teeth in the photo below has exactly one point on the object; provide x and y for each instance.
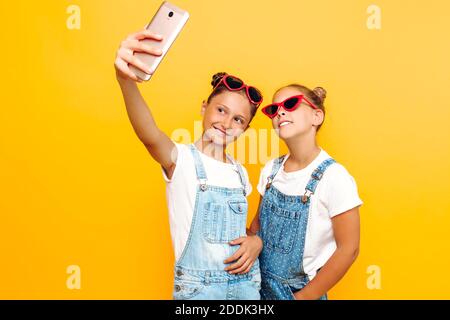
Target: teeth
(284, 123)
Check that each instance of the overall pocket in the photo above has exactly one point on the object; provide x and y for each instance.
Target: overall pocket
(280, 227)
(223, 222)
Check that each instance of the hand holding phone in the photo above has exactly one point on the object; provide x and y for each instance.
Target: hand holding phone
(125, 58)
(160, 34)
(143, 51)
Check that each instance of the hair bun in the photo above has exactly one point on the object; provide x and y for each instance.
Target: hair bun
(321, 93)
(217, 77)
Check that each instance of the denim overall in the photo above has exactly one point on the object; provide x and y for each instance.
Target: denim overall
(283, 222)
(220, 215)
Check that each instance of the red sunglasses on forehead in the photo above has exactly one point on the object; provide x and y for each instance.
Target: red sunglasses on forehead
(233, 83)
(290, 104)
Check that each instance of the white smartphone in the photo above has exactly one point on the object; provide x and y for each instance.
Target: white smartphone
(168, 21)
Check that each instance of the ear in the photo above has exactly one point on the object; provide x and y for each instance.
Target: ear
(203, 109)
(318, 117)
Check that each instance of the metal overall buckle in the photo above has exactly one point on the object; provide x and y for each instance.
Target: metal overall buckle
(269, 183)
(307, 195)
(202, 184)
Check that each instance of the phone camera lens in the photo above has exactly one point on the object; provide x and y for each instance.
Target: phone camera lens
(171, 14)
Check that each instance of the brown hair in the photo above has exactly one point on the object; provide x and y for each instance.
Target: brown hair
(316, 96)
(221, 88)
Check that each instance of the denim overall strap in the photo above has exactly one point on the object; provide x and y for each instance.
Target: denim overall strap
(315, 178)
(310, 188)
(241, 173)
(199, 168)
(277, 163)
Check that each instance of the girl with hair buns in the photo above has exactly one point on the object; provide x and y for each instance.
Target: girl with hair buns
(206, 188)
(308, 213)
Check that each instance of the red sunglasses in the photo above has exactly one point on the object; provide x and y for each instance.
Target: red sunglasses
(233, 83)
(290, 104)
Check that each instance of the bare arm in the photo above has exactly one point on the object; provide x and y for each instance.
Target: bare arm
(159, 145)
(254, 226)
(346, 233)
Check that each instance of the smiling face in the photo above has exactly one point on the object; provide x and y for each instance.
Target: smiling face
(225, 117)
(300, 122)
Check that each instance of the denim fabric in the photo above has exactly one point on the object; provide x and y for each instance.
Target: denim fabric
(220, 216)
(283, 222)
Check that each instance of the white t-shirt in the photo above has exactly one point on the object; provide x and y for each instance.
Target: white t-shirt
(182, 188)
(335, 193)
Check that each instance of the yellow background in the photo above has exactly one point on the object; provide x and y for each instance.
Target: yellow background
(78, 188)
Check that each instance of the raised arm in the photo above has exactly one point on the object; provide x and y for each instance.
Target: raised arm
(158, 144)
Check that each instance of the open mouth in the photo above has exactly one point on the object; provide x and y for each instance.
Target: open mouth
(284, 123)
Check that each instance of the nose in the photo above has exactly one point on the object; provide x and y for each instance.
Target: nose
(227, 122)
(282, 112)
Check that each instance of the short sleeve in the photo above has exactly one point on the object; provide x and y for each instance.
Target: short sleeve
(181, 150)
(265, 172)
(341, 192)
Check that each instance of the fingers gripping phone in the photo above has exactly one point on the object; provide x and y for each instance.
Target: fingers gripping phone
(168, 21)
